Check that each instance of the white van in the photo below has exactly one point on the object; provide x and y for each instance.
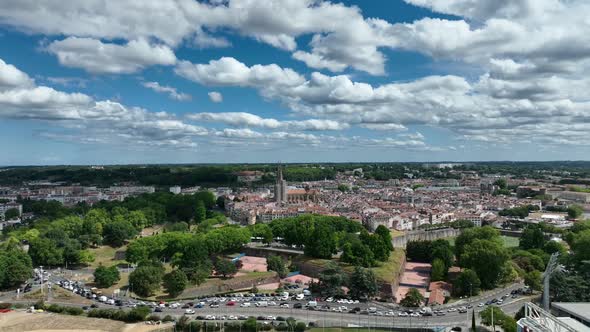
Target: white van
(312, 304)
(102, 298)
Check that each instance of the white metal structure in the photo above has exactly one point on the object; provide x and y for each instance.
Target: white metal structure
(538, 320)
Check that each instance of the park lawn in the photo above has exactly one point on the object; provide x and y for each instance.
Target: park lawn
(105, 255)
(161, 294)
(510, 242)
(122, 284)
(396, 233)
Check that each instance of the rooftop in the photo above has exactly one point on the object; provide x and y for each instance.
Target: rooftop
(578, 309)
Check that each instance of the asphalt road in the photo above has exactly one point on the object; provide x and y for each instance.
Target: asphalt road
(335, 319)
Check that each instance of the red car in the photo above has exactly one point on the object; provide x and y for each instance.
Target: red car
(231, 303)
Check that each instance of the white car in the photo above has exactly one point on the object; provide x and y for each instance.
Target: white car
(189, 312)
(330, 299)
(210, 317)
(232, 317)
(299, 296)
(480, 305)
(285, 305)
(246, 305)
(271, 318)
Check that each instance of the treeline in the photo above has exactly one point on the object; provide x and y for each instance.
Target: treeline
(163, 176)
(324, 236)
(519, 211)
(110, 175)
(194, 257)
(63, 236)
(573, 283)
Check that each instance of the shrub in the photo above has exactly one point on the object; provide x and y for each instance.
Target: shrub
(154, 318)
(167, 318)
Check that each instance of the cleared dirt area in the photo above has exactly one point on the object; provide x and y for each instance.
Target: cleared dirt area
(49, 322)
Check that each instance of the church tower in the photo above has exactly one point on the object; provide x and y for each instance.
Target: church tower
(280, 187)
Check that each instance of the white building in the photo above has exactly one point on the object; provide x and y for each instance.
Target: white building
(175, 190)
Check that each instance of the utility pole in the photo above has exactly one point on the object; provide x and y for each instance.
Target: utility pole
(552, 267)
(493, 326)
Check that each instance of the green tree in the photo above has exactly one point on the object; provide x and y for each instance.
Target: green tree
(501, 183)
(225, 267)
(137, 219)
(532, 238)
(194, 261)
(322, 242)
(357, 253)
(533, 280)
(441, 249)
(471, 234)
(439, 270)
(221, 202)
(15, 267)
(553, 247)
(507, 323)
(117, 231)
(45, 252)
(331, 280)
(12, 213)
(385, 236)
(486, 258)
(277, 264)
(575, 211)
(343, 188)
(467, 283)
(146, 279)
(105, 277)
(262, 231)
(250, 325)
(413, 299)
(200, 212)
(175, 282)
(362, 284)
(581, 246)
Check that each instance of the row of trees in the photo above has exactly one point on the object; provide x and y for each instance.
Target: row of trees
(193, 256)
(324, 236)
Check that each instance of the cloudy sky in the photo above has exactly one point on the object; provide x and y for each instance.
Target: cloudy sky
(95, 82)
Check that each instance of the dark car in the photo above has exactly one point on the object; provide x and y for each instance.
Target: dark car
(260, 318)
(93, 306)
(158, 309)
(298, 306)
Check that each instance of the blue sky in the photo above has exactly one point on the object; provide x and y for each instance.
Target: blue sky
(292, 80)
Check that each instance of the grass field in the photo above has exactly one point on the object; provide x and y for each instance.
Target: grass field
(105, 255)
(387, 271)
(510, 242)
